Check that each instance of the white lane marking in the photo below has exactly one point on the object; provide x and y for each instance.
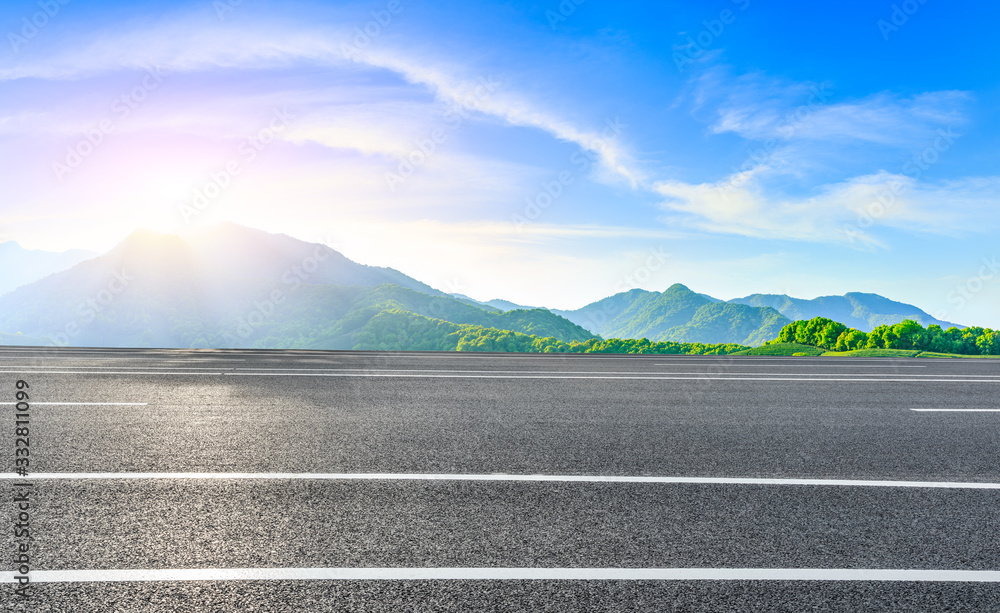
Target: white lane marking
(106, 372)
(118, 367)
(83, 404)
(692, 377)
(965, 485)
(122, 357)
(652, 377)
(418, 372)
(956, 410)
(507, 574)
(586, 372)
(810, 365)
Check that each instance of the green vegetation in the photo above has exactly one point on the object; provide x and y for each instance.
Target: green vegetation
(876, 353)
(680, 315)
(907, 336)
(934, 354)
(397, 330)
(783, 349)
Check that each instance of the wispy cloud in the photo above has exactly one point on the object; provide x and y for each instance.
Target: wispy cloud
(849, 212)
(202, 43)
(883, 118)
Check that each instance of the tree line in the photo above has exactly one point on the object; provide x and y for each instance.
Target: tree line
(907, 334)
(400, 330)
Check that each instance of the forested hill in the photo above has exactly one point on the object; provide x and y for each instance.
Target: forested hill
(856, 310)
(907, 335)
(234, 287)
(231, 286)
(677, 314)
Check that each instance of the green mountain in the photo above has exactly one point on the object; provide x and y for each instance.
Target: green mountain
(677, 314)
(857, 310)
(333, 317)
(235, 287)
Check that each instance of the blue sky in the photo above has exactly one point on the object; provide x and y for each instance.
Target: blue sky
(547, 153)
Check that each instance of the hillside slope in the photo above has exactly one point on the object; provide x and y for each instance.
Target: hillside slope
(677, 314)
(857, 310)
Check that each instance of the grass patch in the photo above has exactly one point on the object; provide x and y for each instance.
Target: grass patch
(783, 349)
(875, 353)
(933, 354)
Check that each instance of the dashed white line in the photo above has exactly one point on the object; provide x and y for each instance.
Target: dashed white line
(506, 574)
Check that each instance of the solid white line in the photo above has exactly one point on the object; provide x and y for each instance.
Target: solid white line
(120, 357)
(487, 375)
(441, 373)
(86, 404)
(693, 377)
(506, 574)
(105, 372)
(970, 485)
(652, 377)
(821, 365)
(956, 410)
(594, 372)
(119, 367)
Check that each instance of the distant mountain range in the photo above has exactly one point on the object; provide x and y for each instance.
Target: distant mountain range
(232, 286)
(678, 314)
(855, 310)
(21, 266)
(235, 287)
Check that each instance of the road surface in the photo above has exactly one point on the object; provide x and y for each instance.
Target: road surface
(207, 480)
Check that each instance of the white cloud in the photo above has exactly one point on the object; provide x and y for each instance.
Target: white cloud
(850, 211)
(178, 46)
(758, 108)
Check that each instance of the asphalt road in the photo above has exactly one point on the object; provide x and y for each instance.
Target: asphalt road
(287, 468)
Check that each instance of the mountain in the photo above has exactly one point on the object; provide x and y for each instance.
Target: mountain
(856, 310)
(677, 314)
(507, 305)
(493, 305)
(232, 286)
(22, 266)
